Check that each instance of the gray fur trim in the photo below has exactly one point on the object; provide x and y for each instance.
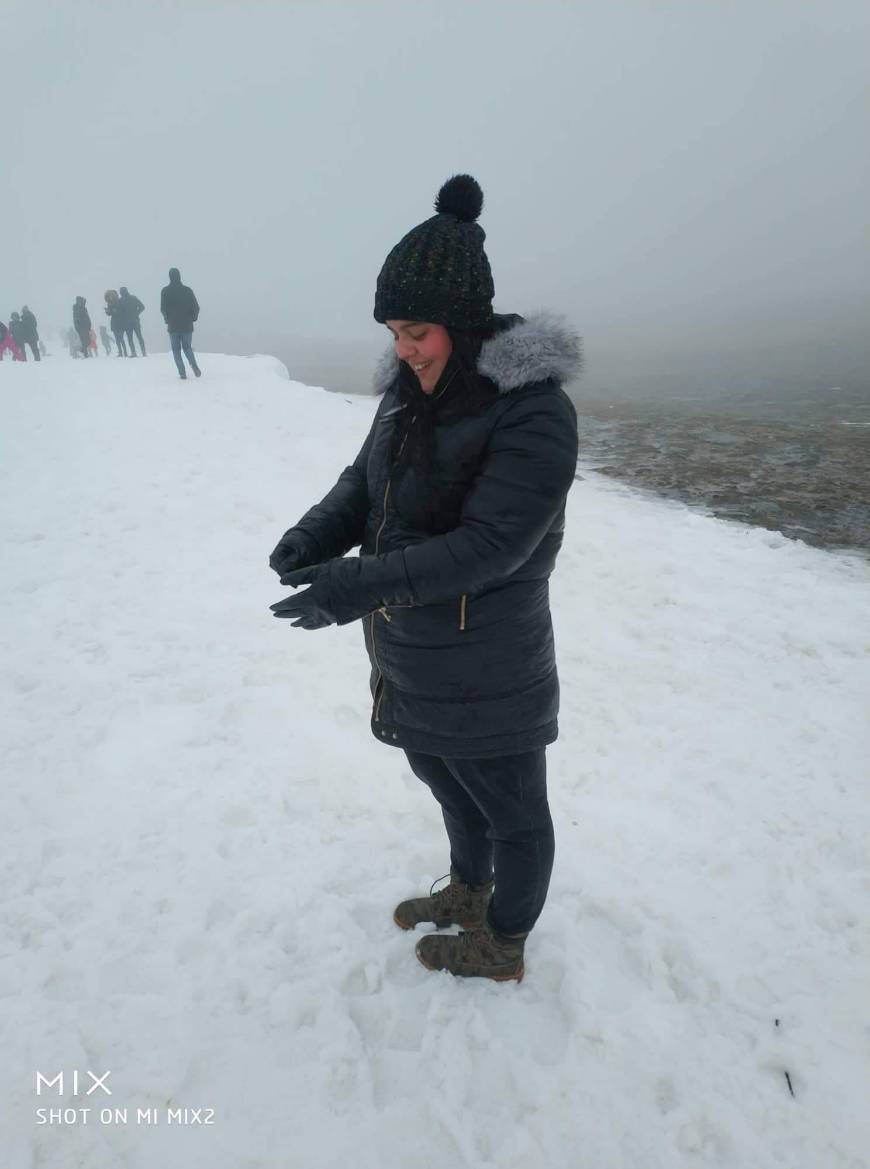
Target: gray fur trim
(385, 371)
(541, 348)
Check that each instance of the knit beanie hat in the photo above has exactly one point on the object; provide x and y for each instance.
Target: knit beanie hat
(439, 271)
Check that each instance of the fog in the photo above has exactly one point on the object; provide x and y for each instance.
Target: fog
(687, 182)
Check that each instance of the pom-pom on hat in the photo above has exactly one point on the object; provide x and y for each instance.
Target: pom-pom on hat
(439, 271)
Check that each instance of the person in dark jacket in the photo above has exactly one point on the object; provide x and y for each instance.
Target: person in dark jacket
(8, 344)
(16, 328)
(115, 313)
(82, 324)
(180, 309)
(30, 333)
(131, 309)
(457, 499)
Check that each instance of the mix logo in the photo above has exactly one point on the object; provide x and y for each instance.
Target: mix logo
(77, 1084)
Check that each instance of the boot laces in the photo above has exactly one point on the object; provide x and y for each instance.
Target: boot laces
(478, 945)
(449, 894)
(481, 945)
(457, 894)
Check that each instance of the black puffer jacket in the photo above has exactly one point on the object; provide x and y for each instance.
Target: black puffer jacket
(454, 583)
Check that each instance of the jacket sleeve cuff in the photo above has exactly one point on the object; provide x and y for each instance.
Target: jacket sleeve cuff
(360, 585)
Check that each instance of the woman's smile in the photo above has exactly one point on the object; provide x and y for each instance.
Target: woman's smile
(425, 347)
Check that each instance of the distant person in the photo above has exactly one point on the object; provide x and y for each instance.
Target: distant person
(82, 324)
(92, 344)
(106, 340)
(132, 308)
(16, 328)
(73, 343)
(8, 344)
(31, 333)
(115, 313)
(180, 309)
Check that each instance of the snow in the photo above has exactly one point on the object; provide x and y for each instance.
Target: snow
(202, 844)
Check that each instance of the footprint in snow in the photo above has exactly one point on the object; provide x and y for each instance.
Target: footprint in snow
(238, 816)
(346, 715)
(363, 979)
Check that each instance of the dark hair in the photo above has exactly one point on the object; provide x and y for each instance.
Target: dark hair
(478, 391)
(466, 393)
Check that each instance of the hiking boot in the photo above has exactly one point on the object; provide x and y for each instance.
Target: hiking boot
(477, 953)
(455, 904)
(197, 372)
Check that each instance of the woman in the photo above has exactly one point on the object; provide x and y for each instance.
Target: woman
(457, 498)
(82, 325)
(115, 313)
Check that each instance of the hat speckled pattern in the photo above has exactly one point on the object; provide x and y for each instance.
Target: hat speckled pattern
(439, 271)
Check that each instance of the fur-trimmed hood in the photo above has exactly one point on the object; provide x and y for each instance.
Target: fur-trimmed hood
(542, 347)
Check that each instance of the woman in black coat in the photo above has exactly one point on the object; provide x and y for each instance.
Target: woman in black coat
(457, 499)
(82, 324)
(115, 313)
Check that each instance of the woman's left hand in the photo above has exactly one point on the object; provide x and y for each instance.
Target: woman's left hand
(342, 590)
(311, 608)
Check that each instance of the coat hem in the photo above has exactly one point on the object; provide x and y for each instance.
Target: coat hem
(489, 747)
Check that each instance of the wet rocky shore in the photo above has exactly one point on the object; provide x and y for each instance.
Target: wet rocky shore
(799, 466)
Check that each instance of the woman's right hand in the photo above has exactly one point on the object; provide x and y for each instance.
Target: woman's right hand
(290, 553)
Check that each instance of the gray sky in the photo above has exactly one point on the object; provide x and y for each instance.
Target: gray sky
(688, 182)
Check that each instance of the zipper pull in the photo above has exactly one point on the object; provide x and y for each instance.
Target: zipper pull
(395, 410)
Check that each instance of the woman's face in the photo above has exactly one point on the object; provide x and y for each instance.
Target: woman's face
(425, 347)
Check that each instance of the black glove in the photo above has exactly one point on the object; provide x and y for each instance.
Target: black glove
(311, 608)
(292, 551)
(339, 593)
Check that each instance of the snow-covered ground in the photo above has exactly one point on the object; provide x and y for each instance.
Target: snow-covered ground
(202, 844)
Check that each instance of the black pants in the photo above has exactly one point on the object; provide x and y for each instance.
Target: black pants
(34, 348)
(132, 348)
(119, 341)
(85, 338)
(498, 824)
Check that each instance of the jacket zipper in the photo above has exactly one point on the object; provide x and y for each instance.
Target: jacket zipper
(462, 601)
(379, 685)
